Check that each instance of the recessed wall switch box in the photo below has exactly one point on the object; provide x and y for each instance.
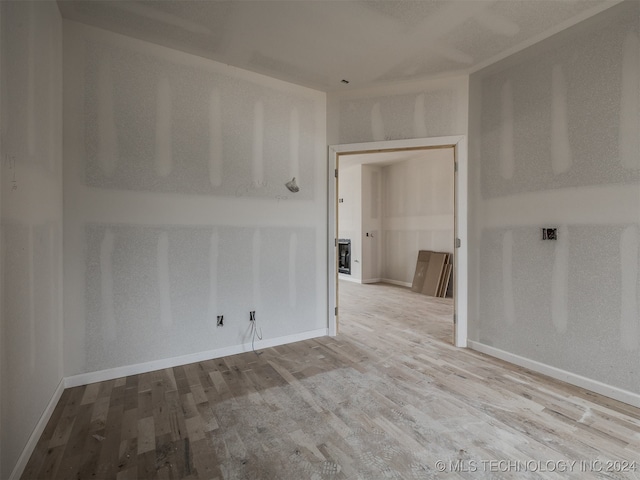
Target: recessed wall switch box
(549, 233)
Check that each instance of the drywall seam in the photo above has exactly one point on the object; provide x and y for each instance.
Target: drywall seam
(215, 138)
(37, 432)
(592, 205)
(507, 278)
(164, 286)
(164, 142)
(293, 253)
(560, 147)
(153, 209)
(214, 252)
(107, 135)
(32, 299)
(32, 134)
(559, 374)
(560, 281)
(258, 141)
(136, 369)
(106, 286)
(507, 162)
(294, 144)
(256, 247)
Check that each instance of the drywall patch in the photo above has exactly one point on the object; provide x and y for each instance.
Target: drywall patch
(629, 133)
(215, 138)
(108, 325)
(560, 281)
(560, 147)
(164, 143)
(294, 144)
(32, 132)
(629, 329)
(507, 160)
(163, 279)
(255, 250)
(293, 257)
(257, 170)
(507, 277)
(214, 247)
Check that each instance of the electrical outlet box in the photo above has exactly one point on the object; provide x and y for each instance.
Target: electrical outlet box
(549, 233)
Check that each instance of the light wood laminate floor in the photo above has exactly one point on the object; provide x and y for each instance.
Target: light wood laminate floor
(389, 397)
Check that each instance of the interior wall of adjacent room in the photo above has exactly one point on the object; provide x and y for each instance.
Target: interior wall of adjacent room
(176, 208)
(418, 211)
(31, 321)
(371, 223)
(554, 143)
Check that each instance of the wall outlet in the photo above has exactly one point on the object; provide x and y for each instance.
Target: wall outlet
(549, 233)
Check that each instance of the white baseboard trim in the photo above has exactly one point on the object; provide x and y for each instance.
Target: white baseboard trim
(372, 280)
(396, 282)
(119, 372)
(559, 374)
(348, 278)
(37, 433)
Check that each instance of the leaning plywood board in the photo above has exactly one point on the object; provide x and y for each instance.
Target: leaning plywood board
(421, 270)
(446, 271)
(445, 280)
(433, 276)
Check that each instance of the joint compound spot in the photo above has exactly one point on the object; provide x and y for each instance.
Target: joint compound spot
(258, 141)
(107, 136)
(560, 148)
(560, 281)
(164, 154)
(507, 162)
(507, 277)
(163, 279)
(294, 143)
(106, 287)
(215, 138)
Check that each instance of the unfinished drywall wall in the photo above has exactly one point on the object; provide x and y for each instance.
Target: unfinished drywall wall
(176, 208)
(554, 143)
(371, 223)
(418, 211)
(424, 109)
(350, 216)
(31, 209)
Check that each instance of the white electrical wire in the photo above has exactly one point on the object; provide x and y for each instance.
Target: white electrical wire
(254, 331)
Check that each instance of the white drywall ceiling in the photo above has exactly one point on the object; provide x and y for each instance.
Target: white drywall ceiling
(318, 43)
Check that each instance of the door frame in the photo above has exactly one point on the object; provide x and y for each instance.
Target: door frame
(460, 284)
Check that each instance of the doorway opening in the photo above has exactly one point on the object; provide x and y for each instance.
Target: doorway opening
(386, 154)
